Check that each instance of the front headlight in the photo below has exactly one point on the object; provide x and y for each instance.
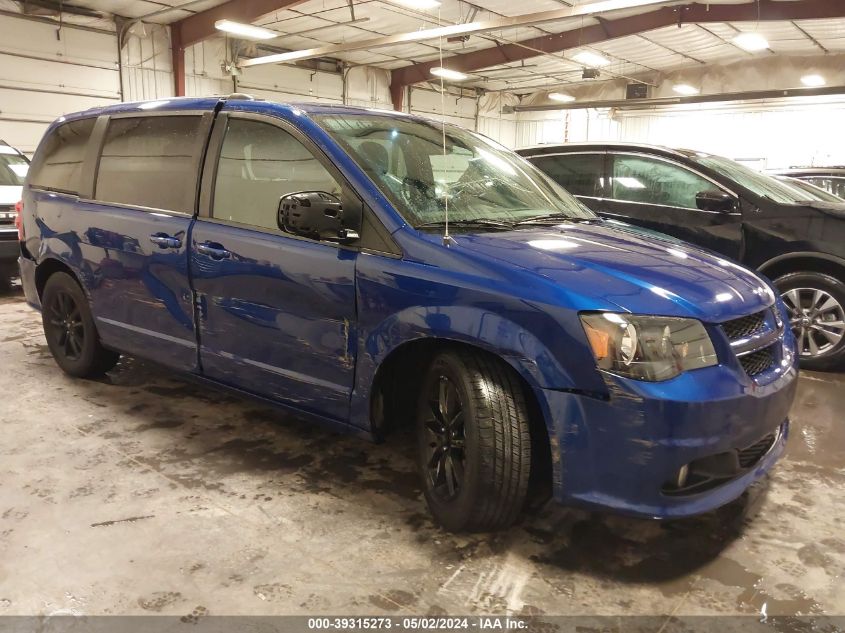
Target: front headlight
(647, 347)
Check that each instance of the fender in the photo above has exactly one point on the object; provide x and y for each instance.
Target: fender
(463, 324)
(803, 255)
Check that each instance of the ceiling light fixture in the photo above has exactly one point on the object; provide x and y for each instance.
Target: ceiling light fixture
(419, 4)
(446, 73)
(685, 89)
(591, 59)
(751, 42)
(559, 96)
(247, 31)
(813, 81)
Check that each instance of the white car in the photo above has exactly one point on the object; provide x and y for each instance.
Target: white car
(13, 168)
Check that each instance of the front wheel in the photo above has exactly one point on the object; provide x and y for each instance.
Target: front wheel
(70, 331)
(474, 443)
(816, 305)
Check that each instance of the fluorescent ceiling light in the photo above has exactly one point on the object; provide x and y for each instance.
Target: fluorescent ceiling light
(751, 42)
(454, 75)
(813, 81)
(591, 59)
(685, 89)
(418, 4)
(247, 31)
(559, 96)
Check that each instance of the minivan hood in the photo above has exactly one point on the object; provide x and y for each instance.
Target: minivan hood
(10, 194)
(645, 275)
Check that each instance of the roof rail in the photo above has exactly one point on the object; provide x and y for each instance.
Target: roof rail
(242, 96)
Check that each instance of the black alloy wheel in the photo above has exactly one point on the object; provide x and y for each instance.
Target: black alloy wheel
(69, 327)
(447, 441)
(66, 327)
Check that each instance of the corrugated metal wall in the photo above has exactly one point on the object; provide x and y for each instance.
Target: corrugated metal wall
(771, 134)
(46, 72)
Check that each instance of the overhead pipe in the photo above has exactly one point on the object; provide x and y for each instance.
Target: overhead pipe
(631, 104)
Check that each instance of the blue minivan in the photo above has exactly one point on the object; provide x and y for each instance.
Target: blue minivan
(375, 270)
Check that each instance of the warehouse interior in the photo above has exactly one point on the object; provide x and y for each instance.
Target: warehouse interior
(143, 493)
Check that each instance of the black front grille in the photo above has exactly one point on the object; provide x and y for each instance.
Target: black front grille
(751, 455)
(757, 362)
(744, 327)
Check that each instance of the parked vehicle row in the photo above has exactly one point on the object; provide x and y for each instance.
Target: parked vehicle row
(831, 179)
(793, 234)
(374, 269)
(13, 168)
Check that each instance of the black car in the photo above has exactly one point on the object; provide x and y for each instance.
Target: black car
(781, 230)
(831, 179)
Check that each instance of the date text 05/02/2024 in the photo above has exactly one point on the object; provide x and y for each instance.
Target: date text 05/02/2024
(419, 623)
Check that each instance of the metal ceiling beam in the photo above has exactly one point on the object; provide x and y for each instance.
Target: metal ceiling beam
(505, 22)
(633, 104)
(621, 27)
(200, 26)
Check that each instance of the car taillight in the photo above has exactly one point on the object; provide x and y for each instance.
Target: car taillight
(19, 219)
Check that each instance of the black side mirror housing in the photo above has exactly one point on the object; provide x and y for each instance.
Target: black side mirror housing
(715, 200)
(320, 215)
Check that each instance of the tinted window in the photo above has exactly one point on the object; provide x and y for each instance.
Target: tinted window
(260, 163)
(151, 162)
(13, 168)
(58, 164)
(652, 181)
(579, 174)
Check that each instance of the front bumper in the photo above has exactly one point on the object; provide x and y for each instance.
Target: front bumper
(9, 248)
(621, 453)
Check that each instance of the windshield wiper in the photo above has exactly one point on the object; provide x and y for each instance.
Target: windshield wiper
(485, 222)
(554, 218)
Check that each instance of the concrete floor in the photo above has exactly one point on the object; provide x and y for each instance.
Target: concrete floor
(144, 494)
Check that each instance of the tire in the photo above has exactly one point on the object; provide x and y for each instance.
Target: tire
(7, 273)
(475, 468)
(69, 327)
(816, 304)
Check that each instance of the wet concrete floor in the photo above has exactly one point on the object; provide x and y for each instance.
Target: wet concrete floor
(145, 494)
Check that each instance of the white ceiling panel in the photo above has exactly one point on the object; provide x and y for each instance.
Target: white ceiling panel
(824, 29)
(320, 22)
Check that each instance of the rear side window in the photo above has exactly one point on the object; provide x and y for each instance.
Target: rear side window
(579, 174)
(58, 164)
(151, 162)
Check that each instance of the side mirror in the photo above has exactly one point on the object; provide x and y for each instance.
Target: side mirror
(715, 200)
(317, 215)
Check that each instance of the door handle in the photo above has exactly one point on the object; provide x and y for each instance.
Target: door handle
(163, 240)
(213, 250)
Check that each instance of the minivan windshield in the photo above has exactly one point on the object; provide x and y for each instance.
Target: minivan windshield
(762, 184)
(13, 168)
(422, 169)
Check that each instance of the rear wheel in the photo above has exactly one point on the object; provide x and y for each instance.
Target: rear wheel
(816, 304)
(474, 443)
(70, 331)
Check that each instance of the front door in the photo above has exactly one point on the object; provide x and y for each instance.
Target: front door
(660, 194)
(277, 310)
